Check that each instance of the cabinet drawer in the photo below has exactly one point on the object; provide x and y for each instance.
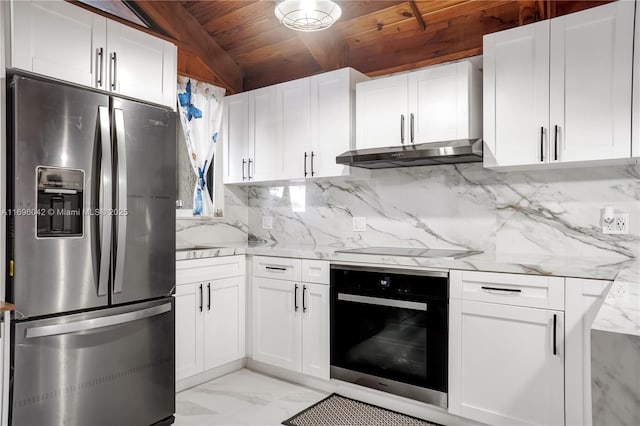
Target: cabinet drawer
(315, 271)
(280, 268)
(190, 271)
(510, 289)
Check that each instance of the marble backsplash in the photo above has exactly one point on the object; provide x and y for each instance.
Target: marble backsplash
(233, 227)
(544, 212)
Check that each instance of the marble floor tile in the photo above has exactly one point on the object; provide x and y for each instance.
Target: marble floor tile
(243, 398)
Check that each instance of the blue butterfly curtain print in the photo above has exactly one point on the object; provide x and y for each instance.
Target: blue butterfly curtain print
(200, 109)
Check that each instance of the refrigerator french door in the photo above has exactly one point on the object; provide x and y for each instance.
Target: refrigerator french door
(91, 226)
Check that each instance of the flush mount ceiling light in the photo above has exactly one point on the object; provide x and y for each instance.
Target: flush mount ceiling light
(308, 15)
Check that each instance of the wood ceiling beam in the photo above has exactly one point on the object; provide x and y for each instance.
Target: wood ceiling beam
(326, 49)
(417, 15)
(181, 25)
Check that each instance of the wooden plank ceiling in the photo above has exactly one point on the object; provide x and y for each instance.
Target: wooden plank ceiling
(241, 44)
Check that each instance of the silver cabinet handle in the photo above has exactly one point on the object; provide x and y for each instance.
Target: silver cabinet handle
(305, 164)
(243, 164)
(274, 268)
(402, 129)
(208, 296)
(312, 155)
(295, 297)
(412, 124)
(92, 324)
(99, 59)
(249, 168)
(201, 299)
(105, 221)
(114, 70)
(404, 304)
(121, 219)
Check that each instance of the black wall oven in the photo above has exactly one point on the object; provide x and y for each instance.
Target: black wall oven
(389, 330)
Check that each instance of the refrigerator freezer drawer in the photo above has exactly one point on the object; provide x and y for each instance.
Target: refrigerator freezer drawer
(109, 367)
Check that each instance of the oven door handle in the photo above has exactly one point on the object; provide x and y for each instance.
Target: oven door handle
(393, 303)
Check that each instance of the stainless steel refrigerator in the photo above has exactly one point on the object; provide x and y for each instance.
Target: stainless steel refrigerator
(91, 256)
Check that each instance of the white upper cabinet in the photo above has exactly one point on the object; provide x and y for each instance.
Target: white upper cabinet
(290, 130)
(235, 137)
(60, 40)
(64, 41)
(516, 95)
(333, 108)
(295, 125)
(590, 83)
(381, 112)
(445, 103)
(588, 58)
(140, 65)
(434, 104)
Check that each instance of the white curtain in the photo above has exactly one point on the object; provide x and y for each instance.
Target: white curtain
(200, 108)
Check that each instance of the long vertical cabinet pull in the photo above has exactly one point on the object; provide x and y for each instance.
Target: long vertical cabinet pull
(121, 219)
(402, 129)
(312, 172)
(201, 297)
(295, 297)
(208, 296)
(541, 144)
(412, 123)
(304, 305)
(243, 164)
(555, 144)
(555, 334)
(105, 201)
(249, 169)
(114, 70)
(99, 60)
(305, 164)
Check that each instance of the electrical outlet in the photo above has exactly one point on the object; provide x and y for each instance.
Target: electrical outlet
(619, 224)
(359, 223)
(267, 222)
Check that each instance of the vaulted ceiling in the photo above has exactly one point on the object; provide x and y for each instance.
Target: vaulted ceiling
(241, 44)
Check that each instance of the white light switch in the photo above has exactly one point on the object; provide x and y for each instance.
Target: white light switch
(359, 223)
(267, 222)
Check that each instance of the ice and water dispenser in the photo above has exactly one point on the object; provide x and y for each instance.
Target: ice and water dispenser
(60, 202)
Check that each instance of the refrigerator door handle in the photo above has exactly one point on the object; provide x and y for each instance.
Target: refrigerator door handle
(92, 324)
(105, 221)
(121, 216)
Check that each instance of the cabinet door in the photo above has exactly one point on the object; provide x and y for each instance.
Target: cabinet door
(265, 147)
(144, 66)
(277, 323)
(224, 321)
(590, 83)
(381, 112)
(189, 331)
(315, 330)
(235, 137)
(502, 366)
(295, 122)
(439, 103)
(331, 116)
(584, 300)
(59, 40)
(516, 96)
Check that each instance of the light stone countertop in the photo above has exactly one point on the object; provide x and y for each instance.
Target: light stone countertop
(620, 312)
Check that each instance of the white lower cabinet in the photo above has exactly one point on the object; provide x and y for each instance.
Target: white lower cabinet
(210, 314)
(291, 317)
(506, 360)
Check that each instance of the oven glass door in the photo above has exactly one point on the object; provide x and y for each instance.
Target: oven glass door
(400, 340)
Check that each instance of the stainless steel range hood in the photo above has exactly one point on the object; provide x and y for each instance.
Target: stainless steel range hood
(425, 154)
